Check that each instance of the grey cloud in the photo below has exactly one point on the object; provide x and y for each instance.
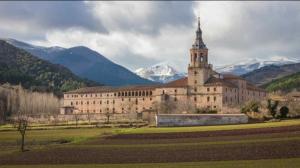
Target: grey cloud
(262, 29)
(163, 14)
(51, 15)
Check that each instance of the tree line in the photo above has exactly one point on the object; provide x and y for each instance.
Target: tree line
(16, 101)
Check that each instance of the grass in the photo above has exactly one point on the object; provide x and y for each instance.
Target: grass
(274, 163)
(36, 139)
(55, 134)
(207, 128)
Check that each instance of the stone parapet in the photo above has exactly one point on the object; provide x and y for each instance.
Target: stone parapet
(170, 120)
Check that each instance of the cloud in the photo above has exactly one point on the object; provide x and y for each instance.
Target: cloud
(143, 17)
(40, 17)
(138, 34)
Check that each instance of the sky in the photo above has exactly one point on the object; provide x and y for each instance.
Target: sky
(141, 34)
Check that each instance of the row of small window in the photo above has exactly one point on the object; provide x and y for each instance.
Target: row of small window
(175, 91)
(207, 99)
(135, 93)
(208, 89)
(235, 98)
(113, 110)
(127, 93)
(107, 101)
(248, 92)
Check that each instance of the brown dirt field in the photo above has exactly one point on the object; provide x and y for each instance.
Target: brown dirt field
(83, 155)
(98, 151)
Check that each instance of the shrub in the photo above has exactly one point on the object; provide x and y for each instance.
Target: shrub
(284, 111)
(272, 107)
(251, 106)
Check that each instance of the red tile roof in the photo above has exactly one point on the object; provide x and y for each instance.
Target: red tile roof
(177, 83)
(183, 82)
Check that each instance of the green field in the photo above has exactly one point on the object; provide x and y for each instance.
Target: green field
(274, 144)
(209, 128)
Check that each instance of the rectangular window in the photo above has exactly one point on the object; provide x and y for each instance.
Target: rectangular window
(208, 89)
(208, 99)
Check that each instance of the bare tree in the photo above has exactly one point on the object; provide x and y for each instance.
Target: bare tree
(22, 116)
(165, 107)
(108, 115)
(22, 127)
(185, 106)
(22, 105)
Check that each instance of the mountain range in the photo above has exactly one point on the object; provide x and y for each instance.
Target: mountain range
(256, 70)
(85, 63)
(91, 65)
(269, 73)
(249, 65)
(18, 66)
(161, 72)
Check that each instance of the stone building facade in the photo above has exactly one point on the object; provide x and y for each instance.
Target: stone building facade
(203, 88)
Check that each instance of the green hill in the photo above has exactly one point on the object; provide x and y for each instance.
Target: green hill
(285, 84)
(20, 67)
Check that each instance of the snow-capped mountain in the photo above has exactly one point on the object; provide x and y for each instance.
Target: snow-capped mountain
(161, 72)
(249, 65)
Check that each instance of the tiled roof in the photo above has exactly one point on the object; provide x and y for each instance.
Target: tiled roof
(213, 81)
(251, 86)
(99, 89)
(231, 76)
(177, 83)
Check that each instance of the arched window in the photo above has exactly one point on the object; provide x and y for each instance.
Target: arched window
(195, 57)
(201, 58)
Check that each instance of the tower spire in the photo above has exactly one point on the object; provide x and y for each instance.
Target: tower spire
(199, 23)
(198, 41)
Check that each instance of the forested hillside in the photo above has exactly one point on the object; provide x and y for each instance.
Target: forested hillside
(267, 74)
(20, 67)
(285, 84)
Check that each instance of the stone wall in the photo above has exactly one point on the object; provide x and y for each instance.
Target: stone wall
(127, 117)
(169, 120)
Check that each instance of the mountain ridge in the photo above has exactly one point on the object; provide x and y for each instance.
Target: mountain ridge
(85, 63)
(249, 65)
(18, 66)
(268, 73)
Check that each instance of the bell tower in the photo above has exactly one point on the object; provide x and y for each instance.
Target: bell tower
(198, 70)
